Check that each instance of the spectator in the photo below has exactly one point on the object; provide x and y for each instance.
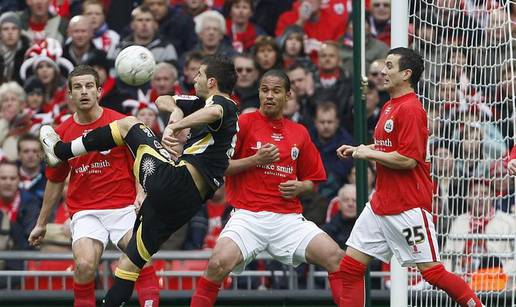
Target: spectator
(145, 33)
(267, 12)
(80, 48)
(372, 110)
(340, 226)
(239, 27)
(267, 54)
(35, 95)
(104, 38)
(193, 60)
(293, 48)
(206, 225)
(148, 114)
(13, 45)
(327, 137)
(164, 81)
(195, 7)
(471, 162)
(174, 25)
(40, 23)
(375, 74)
(463, 248)
(371, 178)
(13, 122)
(503, 186)
(291, 110)
(32, 172)
(210, 27)
(246, 87)
(319, 24)
(374, 48)
(304, 87)
(380, 20)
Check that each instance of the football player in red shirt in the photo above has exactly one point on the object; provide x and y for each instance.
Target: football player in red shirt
(398, 219)
(101, 194)
(274, 162)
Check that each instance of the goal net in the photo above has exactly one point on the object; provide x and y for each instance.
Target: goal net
(468, 90)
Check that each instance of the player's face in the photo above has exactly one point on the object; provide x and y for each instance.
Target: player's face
(392, 74)
(273, 97)
(84, 93)
(201, 82)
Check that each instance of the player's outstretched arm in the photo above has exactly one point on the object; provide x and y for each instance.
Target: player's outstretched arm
(53, 192)
(264, 155)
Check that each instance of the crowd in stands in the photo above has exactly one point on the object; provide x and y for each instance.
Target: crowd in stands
(470, 104)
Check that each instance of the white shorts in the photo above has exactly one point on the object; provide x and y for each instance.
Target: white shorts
(284, 236)
(102, 225)
(409, 235)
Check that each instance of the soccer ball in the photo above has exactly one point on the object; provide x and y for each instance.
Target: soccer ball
(135, 65)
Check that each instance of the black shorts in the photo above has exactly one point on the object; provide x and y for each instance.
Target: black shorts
(172, 196)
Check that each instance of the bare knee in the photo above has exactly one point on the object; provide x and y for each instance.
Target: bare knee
(218, 267)
(332, 258)
(85, 270)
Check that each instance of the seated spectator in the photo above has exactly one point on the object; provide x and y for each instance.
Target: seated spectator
(145, 33)
(174, 25)
(80, 48)
(104, 38)
(267, 54)
(13, 121)
(319, 24)
(374, 48)
(327, 137)
(41, 24)
(380, 20)
(13, 45)
(193, 60)
(32, 171)
(375, 74)
(340, 225)
(303, 84)
(292, 47)
(246, 87)
(210, 27)
(463, 248)
(18, 214)
(372, 110)
(239, 27)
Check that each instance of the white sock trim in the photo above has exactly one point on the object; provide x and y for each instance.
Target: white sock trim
(78, 147)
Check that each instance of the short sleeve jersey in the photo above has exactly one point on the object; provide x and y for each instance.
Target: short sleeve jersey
(210, 147)
(98, 180)
(257, 189)
(402, 127)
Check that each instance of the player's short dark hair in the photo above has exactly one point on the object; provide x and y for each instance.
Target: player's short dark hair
(223, 70)
(82, 70)
(28, 137)
(409, 59)
(280, 74)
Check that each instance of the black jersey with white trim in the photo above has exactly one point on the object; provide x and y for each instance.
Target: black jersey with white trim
(210, 147)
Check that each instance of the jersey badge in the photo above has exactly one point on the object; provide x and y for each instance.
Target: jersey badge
(294, 152)
(338, 8)
(389, 126)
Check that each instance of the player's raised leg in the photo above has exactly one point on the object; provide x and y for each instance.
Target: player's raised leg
(226, 256)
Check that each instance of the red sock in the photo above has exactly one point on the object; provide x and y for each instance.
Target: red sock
(353, 285)
(84, 294)
(205, 294)
(147, 287)
(335, 280)
(455, 286)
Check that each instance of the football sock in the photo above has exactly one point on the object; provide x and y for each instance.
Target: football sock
(120, 293)
(84, 294)
(99, 139)
(205, 294)
(353, 283)
(147, 287)
(335, 280)
(455, 286)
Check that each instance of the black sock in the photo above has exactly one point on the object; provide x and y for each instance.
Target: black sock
(63, 150)
(99, 139)
(119, 294)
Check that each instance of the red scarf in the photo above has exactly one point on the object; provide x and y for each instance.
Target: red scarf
(11, 207)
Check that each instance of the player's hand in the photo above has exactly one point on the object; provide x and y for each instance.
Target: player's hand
(140, 197)
(290, 189)
(305, 11)
(37, 234)
(345, 151)
(166, 103)
(173, 141)
(511, 167)
(361, 152)
(267, 154)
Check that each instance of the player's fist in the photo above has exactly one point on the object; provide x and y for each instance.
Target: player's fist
(165, 103)
(37, 234)
(290, 189)
(345, 151)
(511, 167)
(361, 152)
(267, 154)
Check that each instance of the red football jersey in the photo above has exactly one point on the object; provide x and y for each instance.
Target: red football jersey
(257, 189)
(98, 180)
(513, 153)
(402, 127)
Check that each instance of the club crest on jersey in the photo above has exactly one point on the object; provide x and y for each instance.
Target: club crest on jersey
(389, 126)
(294, 153)
(338, 8)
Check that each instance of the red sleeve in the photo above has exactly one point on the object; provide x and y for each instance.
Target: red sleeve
(285, 20)
(310, 165)
(513, 153)
(412, 134)
(58, 173)
(243, 126)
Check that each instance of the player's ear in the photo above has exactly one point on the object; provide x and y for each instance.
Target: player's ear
(407, 73)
